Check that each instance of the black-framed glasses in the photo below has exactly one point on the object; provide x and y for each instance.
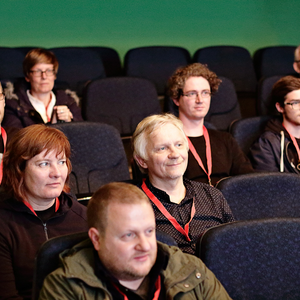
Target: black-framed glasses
(193, 95)
(38, 73)
(2, 96)
(295, 104)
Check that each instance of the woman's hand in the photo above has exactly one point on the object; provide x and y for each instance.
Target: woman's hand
(62, 113)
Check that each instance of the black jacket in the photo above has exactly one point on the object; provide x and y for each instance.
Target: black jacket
(21, 235)
(267, 152)
(20, 113)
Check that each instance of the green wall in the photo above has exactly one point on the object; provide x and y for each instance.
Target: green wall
(125, 24)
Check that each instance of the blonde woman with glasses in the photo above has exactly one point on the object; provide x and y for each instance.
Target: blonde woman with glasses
(40, 103)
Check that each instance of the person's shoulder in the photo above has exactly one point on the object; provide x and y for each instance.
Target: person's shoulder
(220, 136)
(196, 185)
(69, 202)
(67, 96)
(178, 260)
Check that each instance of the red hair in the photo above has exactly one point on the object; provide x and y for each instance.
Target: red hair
(25, 144)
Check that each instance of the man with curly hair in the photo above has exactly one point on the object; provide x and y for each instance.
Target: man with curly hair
(213, 154)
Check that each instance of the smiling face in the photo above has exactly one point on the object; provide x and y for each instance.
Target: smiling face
(167, 154)
(198, 108)
(128, 247)
(291, 115)
(44, 177)
(42, 84)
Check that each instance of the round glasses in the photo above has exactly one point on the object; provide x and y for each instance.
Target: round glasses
(295, 104)
(193, 95)
(2, 96)
(38, 73)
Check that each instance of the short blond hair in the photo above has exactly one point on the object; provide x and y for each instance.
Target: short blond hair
(146, 127)
(111, 193)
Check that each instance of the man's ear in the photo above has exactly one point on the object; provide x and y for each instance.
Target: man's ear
(279, 108)
(27, 79)
(296, 67)
(141, 162)
(176, 102)
(95, 237)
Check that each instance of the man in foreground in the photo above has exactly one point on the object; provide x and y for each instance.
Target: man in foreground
(123, 260)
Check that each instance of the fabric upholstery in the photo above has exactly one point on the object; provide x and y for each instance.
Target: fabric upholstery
(11, 61)
(264, 89)
(120, 101)
(246, 131)
(77, 66)
(98, 156)
(155, 63)
(255, 260)
(274, 60)
(262, 195)
(232, 62)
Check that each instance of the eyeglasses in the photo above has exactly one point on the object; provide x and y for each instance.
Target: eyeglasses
(193, 95)
(38, 73)
(295, 104)
(2, 96)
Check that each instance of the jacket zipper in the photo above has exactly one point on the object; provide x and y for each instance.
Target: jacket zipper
(46, 231)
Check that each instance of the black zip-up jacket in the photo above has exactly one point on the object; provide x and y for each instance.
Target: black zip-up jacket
(267, 152)
(21, 235)
(20, 113)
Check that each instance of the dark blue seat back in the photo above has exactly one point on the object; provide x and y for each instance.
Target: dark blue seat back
(255, 260)
(262, 195)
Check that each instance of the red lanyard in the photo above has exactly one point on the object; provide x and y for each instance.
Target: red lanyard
(46, 108)
(156, 294)
(30, 207)
(294, 142)
(162, 209)
(4, 137)
(208, 154)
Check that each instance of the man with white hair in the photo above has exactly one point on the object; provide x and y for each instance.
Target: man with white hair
(183, 209)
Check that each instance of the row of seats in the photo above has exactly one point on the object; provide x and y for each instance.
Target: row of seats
(249, 196)
(78, 65)
(253, 259)
(124, 101)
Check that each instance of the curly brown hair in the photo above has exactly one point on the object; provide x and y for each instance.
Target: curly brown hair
(177, 80)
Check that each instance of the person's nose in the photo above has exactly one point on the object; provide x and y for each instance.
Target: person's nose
(143, 243)
(43, 74)
(173, 152)
(55, 171)
(198, 98)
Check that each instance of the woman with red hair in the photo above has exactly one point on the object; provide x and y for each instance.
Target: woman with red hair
(36, 168)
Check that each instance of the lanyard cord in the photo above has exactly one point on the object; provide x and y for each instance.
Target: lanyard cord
(4, 137)
(57, 203)
(294, 142)
(156, 294)
(208, 154)
(171, 219)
